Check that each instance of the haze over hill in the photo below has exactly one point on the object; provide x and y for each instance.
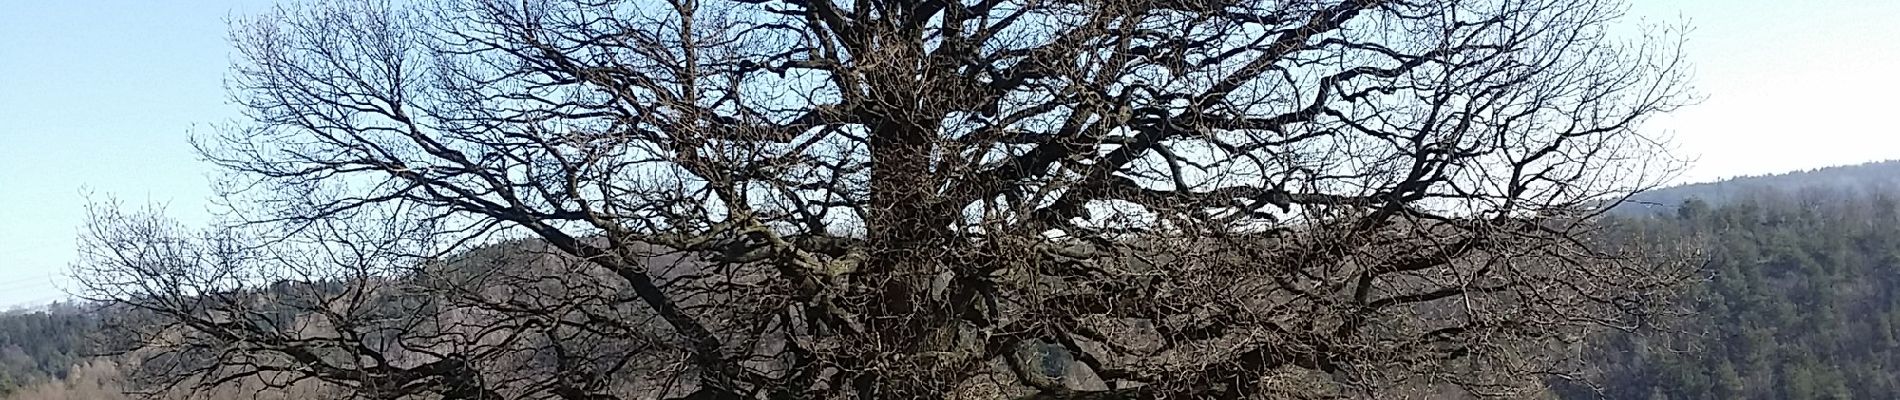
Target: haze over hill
(1881, 175)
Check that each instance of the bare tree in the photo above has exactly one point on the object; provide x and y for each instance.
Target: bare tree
(929, 199)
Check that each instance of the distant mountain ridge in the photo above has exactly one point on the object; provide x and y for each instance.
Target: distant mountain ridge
(1878, 175)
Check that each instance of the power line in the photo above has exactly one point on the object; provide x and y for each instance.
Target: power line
(42, 286)
(23, 282)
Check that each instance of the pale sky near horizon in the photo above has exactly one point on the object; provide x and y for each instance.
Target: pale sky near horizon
(100, 96)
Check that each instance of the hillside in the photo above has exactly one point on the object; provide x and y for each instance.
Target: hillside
(1802, 299)
(80, 350)
(44, 344)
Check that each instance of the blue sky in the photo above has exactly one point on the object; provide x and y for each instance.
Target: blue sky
(100, 96)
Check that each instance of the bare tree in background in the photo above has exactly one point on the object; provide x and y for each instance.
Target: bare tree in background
(917, 199)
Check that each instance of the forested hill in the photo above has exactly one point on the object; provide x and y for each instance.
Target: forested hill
(1802, 299)
(1882, 175)
(43, 344)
